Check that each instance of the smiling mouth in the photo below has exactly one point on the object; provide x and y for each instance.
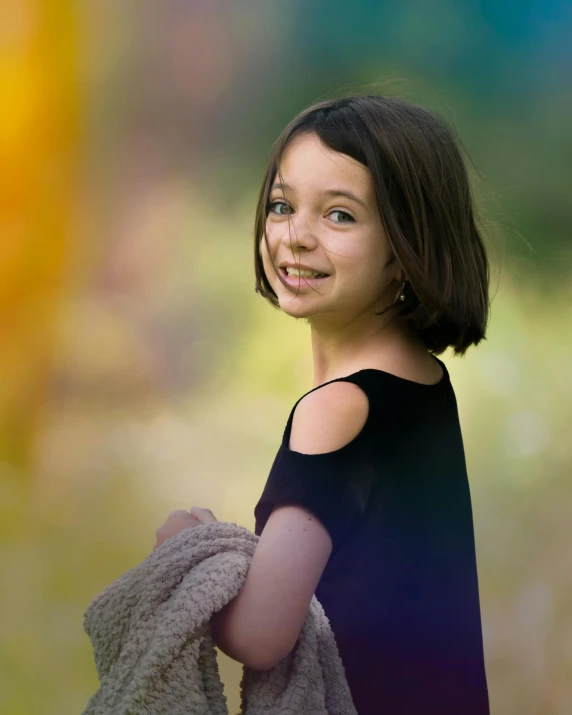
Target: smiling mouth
(292, 277)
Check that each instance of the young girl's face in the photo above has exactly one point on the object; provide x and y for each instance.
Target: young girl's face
(333, 234)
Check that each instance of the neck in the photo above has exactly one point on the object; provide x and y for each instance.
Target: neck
(359, 344)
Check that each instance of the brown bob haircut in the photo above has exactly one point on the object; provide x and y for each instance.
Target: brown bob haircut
(424, 200)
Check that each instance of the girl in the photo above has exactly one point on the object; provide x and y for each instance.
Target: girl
(365, 230)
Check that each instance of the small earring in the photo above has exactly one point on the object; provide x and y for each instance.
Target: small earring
(402, 297)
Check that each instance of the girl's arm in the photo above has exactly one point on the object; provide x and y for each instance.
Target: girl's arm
(262, 624)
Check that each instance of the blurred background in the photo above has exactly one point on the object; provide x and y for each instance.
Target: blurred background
(139, 371)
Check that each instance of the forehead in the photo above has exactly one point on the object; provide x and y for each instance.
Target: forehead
(308, 163)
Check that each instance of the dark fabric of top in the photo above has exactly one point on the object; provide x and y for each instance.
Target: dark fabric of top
(400, 588)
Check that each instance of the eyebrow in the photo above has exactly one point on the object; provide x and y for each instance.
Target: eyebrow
(327, 192)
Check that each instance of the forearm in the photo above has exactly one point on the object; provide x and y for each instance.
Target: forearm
(228, 636)
(220, 632)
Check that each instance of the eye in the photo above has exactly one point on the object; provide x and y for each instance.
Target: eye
(273, 203)
(339, 211)
(335, 211)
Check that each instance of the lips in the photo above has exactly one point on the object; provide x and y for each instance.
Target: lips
(301, 266)
(301, 282)
(284, 266)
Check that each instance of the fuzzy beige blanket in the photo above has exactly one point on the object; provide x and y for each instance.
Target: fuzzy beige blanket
(150, 632)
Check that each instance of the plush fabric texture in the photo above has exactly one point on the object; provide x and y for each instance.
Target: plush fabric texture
(150, 632)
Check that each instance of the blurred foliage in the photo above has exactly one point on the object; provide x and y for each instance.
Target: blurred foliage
(140, 373)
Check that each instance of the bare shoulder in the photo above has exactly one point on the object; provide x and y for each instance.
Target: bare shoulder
(328, 418)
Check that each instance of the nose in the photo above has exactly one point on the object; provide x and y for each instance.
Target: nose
(298, 234)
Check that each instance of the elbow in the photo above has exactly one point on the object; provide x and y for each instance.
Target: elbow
(238, 647)
(266, 664)
(220, 633)
(259, 660)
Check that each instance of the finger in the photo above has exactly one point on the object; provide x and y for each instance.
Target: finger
(204, 516)
(200, 509)
(201, 514)
(178, 513)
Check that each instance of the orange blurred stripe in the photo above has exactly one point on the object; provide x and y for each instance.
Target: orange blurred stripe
(39, 135)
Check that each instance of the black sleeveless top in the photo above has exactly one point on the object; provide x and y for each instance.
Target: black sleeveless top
(400, 588)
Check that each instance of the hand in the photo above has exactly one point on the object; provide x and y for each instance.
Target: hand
(181, 519)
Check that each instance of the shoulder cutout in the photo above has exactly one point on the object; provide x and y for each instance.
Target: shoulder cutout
(328, 418)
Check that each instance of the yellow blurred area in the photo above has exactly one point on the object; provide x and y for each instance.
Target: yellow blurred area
(39, 133)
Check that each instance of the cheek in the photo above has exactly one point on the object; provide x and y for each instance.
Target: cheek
(373, 258)
(357, 258)
(271, 240)
(362, 273)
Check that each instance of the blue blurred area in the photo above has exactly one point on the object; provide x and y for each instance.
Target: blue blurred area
(499, 72)
(477, 44)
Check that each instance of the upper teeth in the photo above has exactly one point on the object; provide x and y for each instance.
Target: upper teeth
(300, 272)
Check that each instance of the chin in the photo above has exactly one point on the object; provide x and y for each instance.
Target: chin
(298, 306)
(301, 309)
(296, 311)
